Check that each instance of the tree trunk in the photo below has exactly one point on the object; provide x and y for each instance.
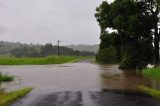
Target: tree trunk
(156, 53)
(156, 40)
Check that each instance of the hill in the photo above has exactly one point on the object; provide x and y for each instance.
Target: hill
(35, 50)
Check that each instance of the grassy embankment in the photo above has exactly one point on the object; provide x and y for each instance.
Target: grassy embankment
(152, 92)
(151, 73)
(7, 98)
(40, 60)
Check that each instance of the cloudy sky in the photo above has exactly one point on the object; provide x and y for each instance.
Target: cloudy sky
(46, 21)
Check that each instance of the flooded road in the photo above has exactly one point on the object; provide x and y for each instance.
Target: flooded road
(77, 84)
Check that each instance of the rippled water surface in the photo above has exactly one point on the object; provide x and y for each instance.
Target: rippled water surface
(73, 77)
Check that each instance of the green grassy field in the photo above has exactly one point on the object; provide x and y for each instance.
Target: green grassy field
(153, 72)
(7, 98)
(40, 60)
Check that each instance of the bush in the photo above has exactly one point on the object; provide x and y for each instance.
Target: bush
(126, 63)
(107, 55)
(6, 78)
(132, 61)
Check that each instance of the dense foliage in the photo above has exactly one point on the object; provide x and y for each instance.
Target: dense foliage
(127, 25)
(107, 55)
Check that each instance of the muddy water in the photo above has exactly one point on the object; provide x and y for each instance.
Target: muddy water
(114, 78)
(70, 80)
(75, 76)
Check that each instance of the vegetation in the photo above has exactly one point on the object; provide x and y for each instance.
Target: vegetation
(152, 72)
(32, 50)
(134, 25)
(39, 60)
(7, 98)
(82, 47)
(5, 78)
(152, 92)
(141, 91)
(107, 55)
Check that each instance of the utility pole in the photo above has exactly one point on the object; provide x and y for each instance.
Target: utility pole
(58, 47)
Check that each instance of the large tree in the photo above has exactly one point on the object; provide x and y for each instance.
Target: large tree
(154, 10)
(133, 24)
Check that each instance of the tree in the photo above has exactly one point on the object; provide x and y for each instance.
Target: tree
(112, 40)
(47, 50)
(153, 7)
(133, 24)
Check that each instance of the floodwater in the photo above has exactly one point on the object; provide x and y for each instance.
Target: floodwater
(77, 84)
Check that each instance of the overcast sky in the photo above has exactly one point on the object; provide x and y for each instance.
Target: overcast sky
(46, 21)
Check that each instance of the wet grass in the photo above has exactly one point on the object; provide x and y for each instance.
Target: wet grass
(8, 98)
(40, 60)
(6, 78)
(152, 92)
(152, 72)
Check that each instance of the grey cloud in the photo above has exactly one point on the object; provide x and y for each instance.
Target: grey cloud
(43, 21)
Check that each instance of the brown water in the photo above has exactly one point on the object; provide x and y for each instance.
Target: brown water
(77, 84)
(114, 78)
(74, 76)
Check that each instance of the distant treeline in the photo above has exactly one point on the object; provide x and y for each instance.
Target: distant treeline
(32, 50)
(81, 47)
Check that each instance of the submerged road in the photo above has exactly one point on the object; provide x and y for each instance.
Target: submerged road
(75, 84)
(76, 98)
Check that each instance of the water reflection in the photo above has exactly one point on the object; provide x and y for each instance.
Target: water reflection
(155, 84)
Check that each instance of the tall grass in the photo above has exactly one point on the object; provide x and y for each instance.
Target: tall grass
(39, 60)
(152, 72)
(5, 78)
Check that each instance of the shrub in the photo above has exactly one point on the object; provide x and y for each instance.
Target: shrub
(107, 55)
(6, 78)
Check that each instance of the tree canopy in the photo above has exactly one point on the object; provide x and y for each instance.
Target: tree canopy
(133, 35)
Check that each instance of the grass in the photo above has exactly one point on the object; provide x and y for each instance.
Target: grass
(39, 60)
(140, 91)
(8, 98)
(6, 78)
(151, 92)
(152, 72)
